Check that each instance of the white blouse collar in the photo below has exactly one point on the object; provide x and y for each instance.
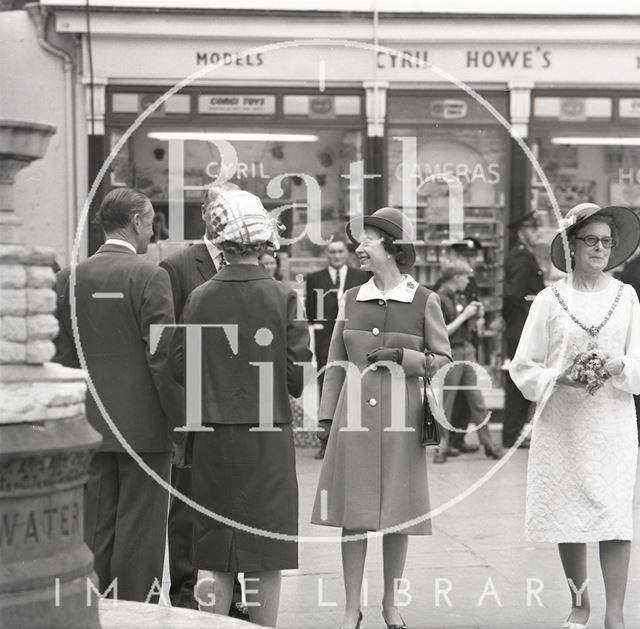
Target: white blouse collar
(404, 291)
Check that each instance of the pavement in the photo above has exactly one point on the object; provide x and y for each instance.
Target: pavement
(477, 553)
(477, 570)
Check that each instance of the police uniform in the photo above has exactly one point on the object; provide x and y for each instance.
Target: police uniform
(523, 280)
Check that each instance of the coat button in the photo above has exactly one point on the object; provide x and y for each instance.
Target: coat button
(381, 302)
(373, 367)
(375, 331)
(373, 401)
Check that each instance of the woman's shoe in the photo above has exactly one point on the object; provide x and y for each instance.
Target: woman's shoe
(494, 452)
(573, 625)
(402, 626)
(440, 455)
(359, 621)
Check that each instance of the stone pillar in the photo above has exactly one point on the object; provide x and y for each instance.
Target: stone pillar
(45, 439)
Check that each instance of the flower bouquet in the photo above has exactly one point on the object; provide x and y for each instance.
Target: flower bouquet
(588, 368)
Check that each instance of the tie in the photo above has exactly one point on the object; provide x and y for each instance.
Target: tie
(222, 261)
(336, 281)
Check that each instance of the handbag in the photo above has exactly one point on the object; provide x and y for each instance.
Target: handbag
(429, 433)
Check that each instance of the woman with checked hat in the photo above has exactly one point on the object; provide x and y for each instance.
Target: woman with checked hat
(244, 464)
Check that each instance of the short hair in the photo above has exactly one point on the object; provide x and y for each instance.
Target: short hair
(600, 217)
(390, 245)
(235, 248)
(452, 269)
(119, 207)
(338, 240)
(213, 191)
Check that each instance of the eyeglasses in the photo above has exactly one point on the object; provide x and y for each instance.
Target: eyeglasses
(592, 241)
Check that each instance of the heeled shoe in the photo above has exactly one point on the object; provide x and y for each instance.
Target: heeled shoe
(402, 626)
(493, 452)
(359, 621)
(573, 625)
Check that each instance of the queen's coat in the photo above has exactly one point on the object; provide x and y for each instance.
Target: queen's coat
(374, 474)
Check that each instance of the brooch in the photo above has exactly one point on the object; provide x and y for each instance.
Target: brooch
(410, 285)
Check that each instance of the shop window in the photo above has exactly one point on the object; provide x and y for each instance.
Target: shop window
(585, 160)
(316, 155)
(452, 141)
(459, 164)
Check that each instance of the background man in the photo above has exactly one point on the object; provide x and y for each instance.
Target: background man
(523, 280)
(323, 292)
(458, 315)
(125, 509)
(188, 268)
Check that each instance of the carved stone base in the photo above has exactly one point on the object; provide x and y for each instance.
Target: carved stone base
(46, 447)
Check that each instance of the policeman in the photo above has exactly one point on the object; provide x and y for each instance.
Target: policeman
(523, 281)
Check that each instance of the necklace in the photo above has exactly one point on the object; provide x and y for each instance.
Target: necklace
(591, 330)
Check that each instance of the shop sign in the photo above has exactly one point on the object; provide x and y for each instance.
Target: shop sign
(321, 107)
(231, 104)
(573, 109)
(448, 109)
(629, 108)
(629, 176)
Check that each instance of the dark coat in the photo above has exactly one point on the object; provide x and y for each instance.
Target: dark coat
(134, 384)
(321, 280)
(631, 274)
(187, 269)
(269, 331)
(523, 279)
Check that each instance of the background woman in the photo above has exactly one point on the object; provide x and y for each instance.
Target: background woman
(270, 262)
(241, 474)
(583, 457)
(377, 479)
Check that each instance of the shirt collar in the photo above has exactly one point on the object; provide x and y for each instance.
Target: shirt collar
(121, 243)
(213, 250)
(404, 291)
(342, 271)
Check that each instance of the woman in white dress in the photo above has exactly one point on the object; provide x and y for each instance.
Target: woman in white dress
(583, 456)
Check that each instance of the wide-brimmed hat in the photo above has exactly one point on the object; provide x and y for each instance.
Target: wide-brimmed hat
(393, 222)
(238, 216)
(627, 224)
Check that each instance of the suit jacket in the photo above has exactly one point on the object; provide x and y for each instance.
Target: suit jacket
(135, 385)
(187, 269)
(327, 314)
(268, 332)
(523, 278)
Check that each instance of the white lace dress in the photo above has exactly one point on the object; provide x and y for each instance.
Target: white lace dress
(584, 448)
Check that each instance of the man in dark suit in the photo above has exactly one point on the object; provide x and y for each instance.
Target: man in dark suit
(188, 268)
(631, 275)
(118, 297)
(523, 281)
(324, 290)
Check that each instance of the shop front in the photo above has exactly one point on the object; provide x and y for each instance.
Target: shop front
(292, 149)
(588, 145)
(331, 114)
